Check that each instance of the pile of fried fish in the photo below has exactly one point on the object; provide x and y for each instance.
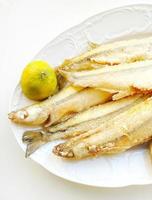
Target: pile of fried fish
(103, 105)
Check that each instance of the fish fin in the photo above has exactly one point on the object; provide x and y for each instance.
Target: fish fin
(34, 140)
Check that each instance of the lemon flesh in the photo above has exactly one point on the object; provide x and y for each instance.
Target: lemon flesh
(38, 80)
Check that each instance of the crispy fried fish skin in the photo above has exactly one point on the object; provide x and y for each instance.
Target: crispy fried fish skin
(139, 136)
(38, 113)
(95, 125)
(125, 51)
(123, 80)
(69, 100)
(83, 120)
(88, 120)
(125, 124)
(79, 102)
(107, 69)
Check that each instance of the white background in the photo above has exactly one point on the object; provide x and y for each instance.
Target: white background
(25, 27)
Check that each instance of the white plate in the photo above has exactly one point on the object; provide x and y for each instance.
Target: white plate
(129, 168)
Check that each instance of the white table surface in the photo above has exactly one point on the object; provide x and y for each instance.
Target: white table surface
(25, 27)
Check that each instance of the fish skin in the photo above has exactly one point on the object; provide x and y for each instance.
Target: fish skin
(36, 138)
(97, 124)
(79, 102)
(38, 113)
(94, 113)
(67, 101)
(140, 136)
(132, 124)
(91, 73)
(124, 80)
(114, 53)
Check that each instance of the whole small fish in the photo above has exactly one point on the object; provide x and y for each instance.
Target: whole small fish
(123, 80)
(114, 53)
(68, 100)
(39, 113)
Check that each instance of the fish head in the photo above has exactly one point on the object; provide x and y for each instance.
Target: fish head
(31, 115)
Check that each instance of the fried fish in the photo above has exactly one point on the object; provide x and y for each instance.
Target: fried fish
(67, 101)
(129, 128)
(79, 124)
(125, 51)
(124, 80)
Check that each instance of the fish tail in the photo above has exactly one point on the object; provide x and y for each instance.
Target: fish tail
(34, 140)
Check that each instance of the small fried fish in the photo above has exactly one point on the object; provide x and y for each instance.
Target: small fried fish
(124, 80)
(129, 128)
(114, 53)
(79, 124)
(67, 101)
